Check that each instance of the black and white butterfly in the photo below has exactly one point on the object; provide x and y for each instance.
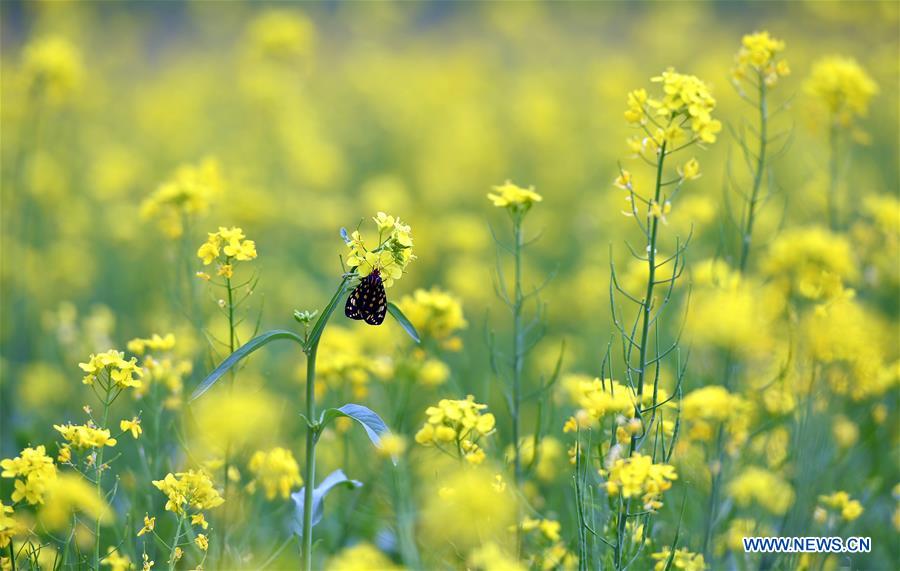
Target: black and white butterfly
(368, 301)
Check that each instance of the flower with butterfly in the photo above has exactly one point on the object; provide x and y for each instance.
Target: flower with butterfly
(378, 267)
(371, 271)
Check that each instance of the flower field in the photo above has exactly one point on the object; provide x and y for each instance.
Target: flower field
(485, 286)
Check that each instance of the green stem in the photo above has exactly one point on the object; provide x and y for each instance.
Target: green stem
(310, 468)
(833, 221)
(99, 465)
(517, 346)
(172, 561)
(747, 234)
(227, 463)
(312, 431)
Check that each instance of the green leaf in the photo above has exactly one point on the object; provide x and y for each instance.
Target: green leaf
(403, 321)
(244, 351)
(370, 421)
(336, 478)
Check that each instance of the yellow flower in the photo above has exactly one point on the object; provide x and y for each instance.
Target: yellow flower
(119, 373)
(759, 54)
(843, 87)
(769, 490)
(188, 192)
(8, 525)
(34, 471)
(277, 471)
(149, 525)
(360, 557)
(191, 489)
(240, 250)
(390, 257)
(458, 421)
(682, 95)
(435, 314)
(849, 508)
(227, 242)
(54, 66)
(638, 476)
(209, 251)
(199, 519)
(392, 446)
(202, 542)
(85, 436)
(117, 561)
(704, 409)
(690, 170)
(549, 528)
(154, 343)
(225, 270)
(516, 198)
(281, 36)
(133, 425)
(683, 560)
(811, 262)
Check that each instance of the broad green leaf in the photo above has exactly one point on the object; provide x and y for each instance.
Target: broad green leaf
(403, 321)
(370, 421)
(336, 478)
(244, 351)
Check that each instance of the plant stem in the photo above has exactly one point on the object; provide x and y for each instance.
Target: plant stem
(747, 234)
(99, 464)
(746, 240)
(172, 561)
(517, 346)
(647, 306)
(227, 463)
(310, 468)
(833, 221)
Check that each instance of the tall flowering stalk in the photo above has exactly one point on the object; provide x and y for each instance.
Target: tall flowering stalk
(225, 248)
(758, 69)
(680, 119)
(517, 201)
(844, 89)
(382, 264)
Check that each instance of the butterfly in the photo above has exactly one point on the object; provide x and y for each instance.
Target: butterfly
(368, 301)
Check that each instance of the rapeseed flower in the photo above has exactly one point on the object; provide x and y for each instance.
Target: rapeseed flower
(684, 96)
(683, 559)
(8, 524)
(83, 436)
(459, 424)
(189, 192)
(514, 197)
(848, 508)
(189, 490)
(842, 86)
(759, 56)
(763, 487)
(53, 67)
(226, 246)
(706, 408)
(360, 557)
(70, 495)
(639, 476)
(116, 560)
(111, 370)
(811, 262)
(34, 471)
(390, 257)
(436, 315)
(133, 426)
(277, 471)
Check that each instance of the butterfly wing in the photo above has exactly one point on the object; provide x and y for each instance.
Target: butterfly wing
(375, 304)
(351, 308)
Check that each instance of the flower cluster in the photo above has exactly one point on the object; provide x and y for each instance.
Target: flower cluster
(812, 262)
(457, 422)
(597, 399)
(686, 100)
(224, 247)
(281, 35)
(189, 192)
(277, 471)
(848, 508)
(704, 409)
(54, 66)
(120, 373)
(191, 489)
(758, 59)
(34, 472)
(154, 343)
(682, 559)
(390, 257)
(84, 436)
(843, 87)
(769, 490)
(435, 314)
(638, 476)
(514, 197)
(8, 525)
